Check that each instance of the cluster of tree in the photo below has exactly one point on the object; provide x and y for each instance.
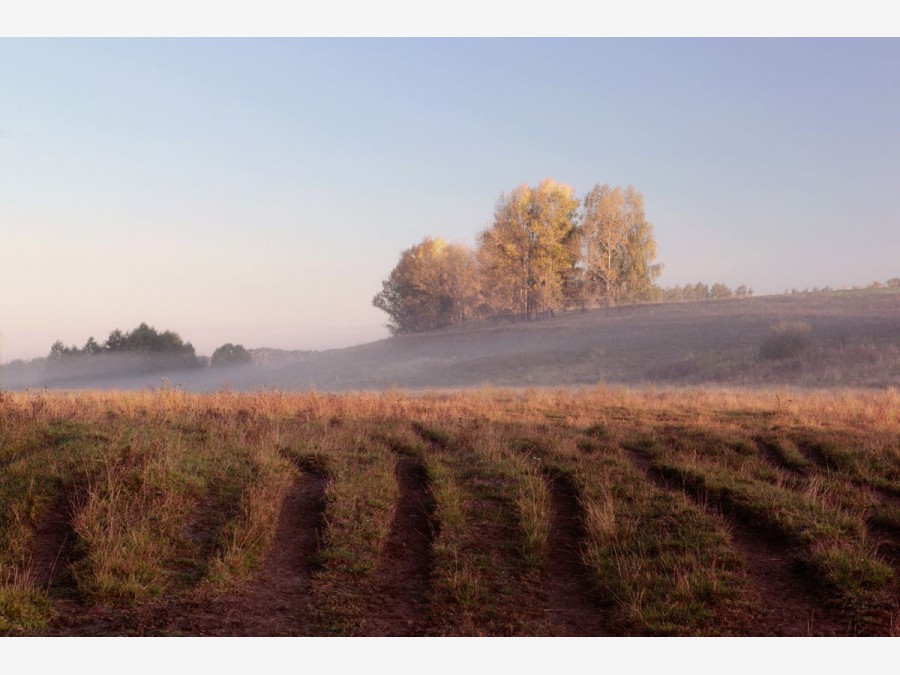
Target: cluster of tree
(545, 250)
(699, 291)
(143, 348)
(142, 340)
(146, 347)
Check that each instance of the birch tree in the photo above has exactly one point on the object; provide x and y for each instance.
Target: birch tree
(526, 254)
(617, 246)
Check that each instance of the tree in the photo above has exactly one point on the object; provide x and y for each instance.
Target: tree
(58, 350)
(142, 339)
(459, 284)
(116, 341)
(603, 237)
(434, 284)
(530, 250)
(699, 291)
(92, 346)
(719, 291)
(231, 355)
(146, 339)
(410, 295)
(617, 246)
(640, 269)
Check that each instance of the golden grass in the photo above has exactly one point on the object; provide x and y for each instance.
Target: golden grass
(177, 490)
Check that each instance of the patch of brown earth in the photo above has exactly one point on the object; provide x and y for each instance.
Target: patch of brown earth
(572, 609)
(403, 581)
(791, 598)
(54, 542)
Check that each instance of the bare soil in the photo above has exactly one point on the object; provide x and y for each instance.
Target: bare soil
(400, 601)
(54, 542)
(572, 607)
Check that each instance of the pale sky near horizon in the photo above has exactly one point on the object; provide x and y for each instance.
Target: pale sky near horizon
(257, 191)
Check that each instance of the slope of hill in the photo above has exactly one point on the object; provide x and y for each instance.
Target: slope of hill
(856, 343)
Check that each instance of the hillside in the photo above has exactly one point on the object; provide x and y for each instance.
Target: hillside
(856, 343)
(856, 335)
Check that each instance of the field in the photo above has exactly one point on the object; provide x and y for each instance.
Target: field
(489, 512)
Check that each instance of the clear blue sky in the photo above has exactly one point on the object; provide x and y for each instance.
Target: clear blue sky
(258, 191)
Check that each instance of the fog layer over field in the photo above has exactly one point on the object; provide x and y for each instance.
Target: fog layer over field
(854, 341)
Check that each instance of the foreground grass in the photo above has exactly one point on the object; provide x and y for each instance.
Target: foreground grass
(359, 506)
(166, 492)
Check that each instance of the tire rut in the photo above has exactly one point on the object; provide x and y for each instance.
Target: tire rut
(404, 578)
(768, 450)
(790, 596)
(506, 603)
(275, 601)
(573, 610)
(887, 532)
(54, 542)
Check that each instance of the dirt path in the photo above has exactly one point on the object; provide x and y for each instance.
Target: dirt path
(791, 597)
(571, 608)
(54, 542)
(274, 602)
(403, 580)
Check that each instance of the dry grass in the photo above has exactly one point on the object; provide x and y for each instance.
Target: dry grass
(174, 491)
(359, 506)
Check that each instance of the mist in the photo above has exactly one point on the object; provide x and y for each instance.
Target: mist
(854, 340)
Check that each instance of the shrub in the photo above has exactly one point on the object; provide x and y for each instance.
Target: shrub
(231, 355)
(786, 339)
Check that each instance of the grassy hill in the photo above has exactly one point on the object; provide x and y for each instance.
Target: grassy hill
(855, 342)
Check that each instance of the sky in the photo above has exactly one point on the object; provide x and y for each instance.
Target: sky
(257, 191)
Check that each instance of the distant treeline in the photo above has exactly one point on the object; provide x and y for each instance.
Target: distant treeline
(152, 349)
(698, 291)
(141, 350)
(546, 250)
(894, 282)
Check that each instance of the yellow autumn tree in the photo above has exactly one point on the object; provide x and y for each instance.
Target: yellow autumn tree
(617, 246)
(435, 284)
(530, 250)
